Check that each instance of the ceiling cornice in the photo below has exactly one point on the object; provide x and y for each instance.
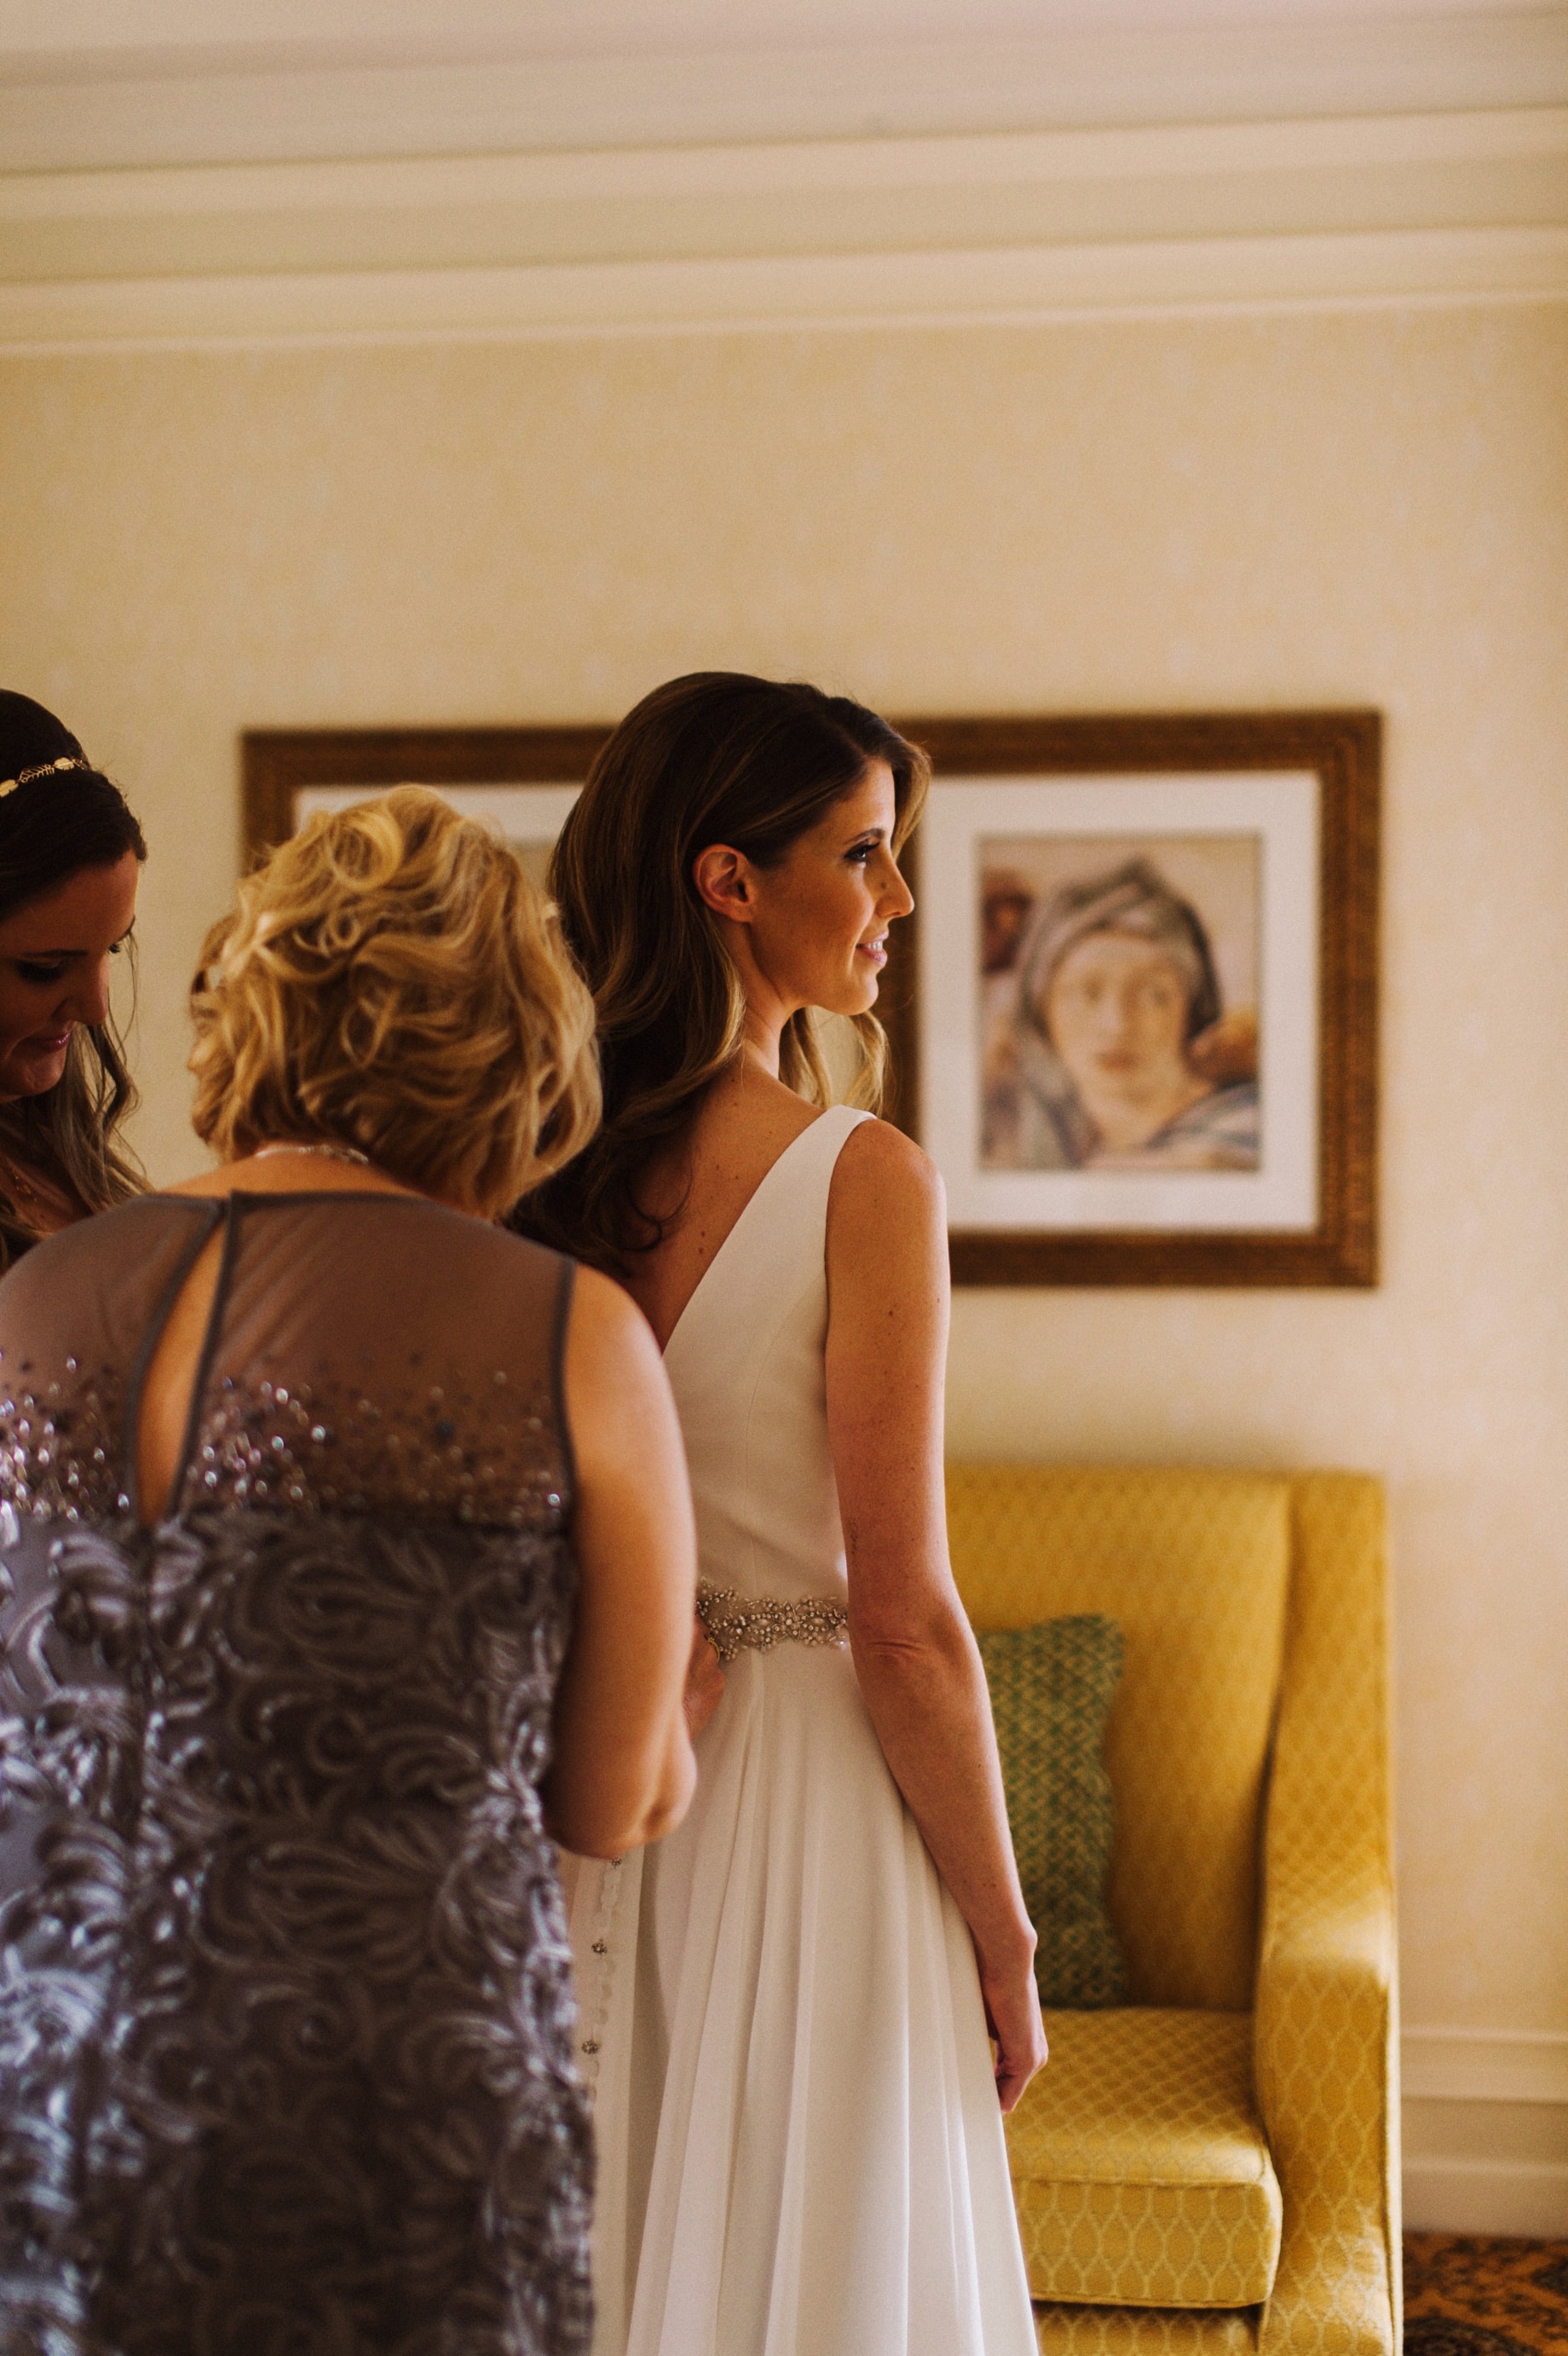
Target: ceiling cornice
(450, 105)
(1023, 286)
(1343, 203)
(1021, 225)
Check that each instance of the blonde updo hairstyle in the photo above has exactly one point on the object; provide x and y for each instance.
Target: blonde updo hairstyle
(390, 980)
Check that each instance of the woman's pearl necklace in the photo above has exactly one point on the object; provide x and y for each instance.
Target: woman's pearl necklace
(333, 1152)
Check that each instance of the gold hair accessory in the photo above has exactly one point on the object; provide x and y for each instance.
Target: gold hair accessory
(44, 769)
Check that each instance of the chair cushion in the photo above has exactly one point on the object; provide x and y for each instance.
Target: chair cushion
(1192, 1567)
(1050, 1690)
(1145, 2330)
(1139, 2169)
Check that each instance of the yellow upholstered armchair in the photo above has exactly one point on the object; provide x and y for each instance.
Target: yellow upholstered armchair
(1214, 2166)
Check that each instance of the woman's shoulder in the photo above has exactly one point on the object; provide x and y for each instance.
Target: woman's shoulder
(886, 1253)
(884, 1184)
(113, 1238)
(443, 1231)
(477, 1261)
(876, 1154)
(487, 1239)
(84, 1298)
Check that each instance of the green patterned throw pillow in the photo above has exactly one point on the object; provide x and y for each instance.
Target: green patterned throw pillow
(1051, 1687)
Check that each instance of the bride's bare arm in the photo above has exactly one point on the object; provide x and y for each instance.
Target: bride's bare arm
(624, 1771)
(915, 1653)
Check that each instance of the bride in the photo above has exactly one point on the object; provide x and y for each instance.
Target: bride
(784, 2007)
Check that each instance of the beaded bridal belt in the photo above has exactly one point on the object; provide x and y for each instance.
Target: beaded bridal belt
(739, 1623)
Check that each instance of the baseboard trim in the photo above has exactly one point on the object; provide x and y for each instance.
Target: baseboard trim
(1486, 2131)
(1485, 2065)
(1443, 2196)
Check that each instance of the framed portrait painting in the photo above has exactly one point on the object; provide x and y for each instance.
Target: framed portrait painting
(1136, 1024)
(1133, 1018)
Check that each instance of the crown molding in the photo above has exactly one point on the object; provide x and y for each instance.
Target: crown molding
(1015, 287)
(1014, 226)
(890, 73)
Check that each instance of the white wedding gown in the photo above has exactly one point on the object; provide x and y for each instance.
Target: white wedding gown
(800, 2150)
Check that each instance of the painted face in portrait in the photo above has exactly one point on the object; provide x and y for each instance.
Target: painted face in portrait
(1107, 1056)
(1117, 1011)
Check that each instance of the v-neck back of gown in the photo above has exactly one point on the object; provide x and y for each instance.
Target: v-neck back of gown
(745, 1362)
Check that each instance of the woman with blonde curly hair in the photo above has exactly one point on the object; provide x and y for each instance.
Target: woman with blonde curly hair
(350, 1557)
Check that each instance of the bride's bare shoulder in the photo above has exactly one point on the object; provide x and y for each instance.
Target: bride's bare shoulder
(882, 1174)
(887, 1250)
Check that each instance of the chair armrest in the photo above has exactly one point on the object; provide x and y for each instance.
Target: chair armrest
(1325, 2022)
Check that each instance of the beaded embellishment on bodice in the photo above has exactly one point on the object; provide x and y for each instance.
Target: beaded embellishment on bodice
(60, 1443)
(487, 1456)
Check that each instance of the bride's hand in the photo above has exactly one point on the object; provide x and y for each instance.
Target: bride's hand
(1012, 2016)
(704, 1682)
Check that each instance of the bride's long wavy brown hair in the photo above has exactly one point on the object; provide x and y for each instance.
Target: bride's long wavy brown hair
(715, 758)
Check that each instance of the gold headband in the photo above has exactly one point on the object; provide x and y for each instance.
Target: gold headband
(44, 769)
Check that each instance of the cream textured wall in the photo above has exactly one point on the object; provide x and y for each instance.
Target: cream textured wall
(1366, 507)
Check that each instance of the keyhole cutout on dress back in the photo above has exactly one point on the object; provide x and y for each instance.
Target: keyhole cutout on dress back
(168, 1389)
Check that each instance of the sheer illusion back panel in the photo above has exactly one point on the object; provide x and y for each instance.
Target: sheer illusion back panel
(365, 1354)
(404, 1360)
(81, 1315)
(285, 2005)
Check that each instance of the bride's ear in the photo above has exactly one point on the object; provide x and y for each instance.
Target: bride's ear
(724, 883)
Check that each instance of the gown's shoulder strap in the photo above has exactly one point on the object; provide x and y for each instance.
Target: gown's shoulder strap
(815, 1151)
(787, 1218)
(775, 1247)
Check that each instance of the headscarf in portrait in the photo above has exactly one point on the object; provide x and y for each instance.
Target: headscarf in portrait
(1049, 1128)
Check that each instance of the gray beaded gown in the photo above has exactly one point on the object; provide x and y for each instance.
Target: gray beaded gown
(285, 1999)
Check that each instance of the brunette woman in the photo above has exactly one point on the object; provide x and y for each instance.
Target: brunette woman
(784, 2005)
(70, 857)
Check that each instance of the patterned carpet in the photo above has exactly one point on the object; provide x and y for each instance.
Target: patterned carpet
(1468, 2297)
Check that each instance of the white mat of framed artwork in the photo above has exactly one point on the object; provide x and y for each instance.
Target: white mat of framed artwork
(529, 817)
(1281, 808)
